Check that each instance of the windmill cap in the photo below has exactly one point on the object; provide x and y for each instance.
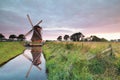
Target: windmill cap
(36, 26)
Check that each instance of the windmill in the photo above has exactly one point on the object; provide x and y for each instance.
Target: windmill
(36, 29)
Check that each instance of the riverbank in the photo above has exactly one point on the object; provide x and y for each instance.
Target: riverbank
(69, 61)
(9, 50)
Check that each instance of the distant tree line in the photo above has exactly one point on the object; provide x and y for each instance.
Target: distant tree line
(80, 37)
(12, 37)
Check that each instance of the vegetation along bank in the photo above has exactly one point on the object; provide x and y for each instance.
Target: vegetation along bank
(9, 50)
(82, 60)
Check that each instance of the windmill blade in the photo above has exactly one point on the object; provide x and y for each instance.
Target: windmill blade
(29, 71)
(29, 32)
(30, 60)
(39, 22)
(37, 34)
(29, 20)
(27, 57)
(39, 67)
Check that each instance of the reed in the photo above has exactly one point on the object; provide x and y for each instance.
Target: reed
(69, 61)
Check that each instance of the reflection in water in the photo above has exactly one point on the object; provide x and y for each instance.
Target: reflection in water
(36, 53)
(16, 69)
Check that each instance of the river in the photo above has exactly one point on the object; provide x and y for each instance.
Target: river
(22, 68)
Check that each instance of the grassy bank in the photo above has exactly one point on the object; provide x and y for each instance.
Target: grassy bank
(8, 50)
(69, 61)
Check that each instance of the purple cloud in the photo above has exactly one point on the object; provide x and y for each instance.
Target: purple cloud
(61, 16)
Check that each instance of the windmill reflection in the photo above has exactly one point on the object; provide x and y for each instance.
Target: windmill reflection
(35, 60)
(36, 53)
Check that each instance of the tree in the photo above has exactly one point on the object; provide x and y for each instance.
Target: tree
(76, 36)
(12, 37)
(59, 38)
(104, 40)
(21, 37)
(2, 37)
(66, 37)
(95, 38)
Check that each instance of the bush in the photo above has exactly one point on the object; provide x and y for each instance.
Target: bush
(118, 66)
(97, 66)
(69, 46)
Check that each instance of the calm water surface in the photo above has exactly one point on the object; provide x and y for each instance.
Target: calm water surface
(17, 68)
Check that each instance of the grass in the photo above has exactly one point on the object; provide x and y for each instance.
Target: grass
(68, 61)
(9, 50)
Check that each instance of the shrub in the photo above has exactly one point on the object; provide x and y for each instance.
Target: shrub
(69, 46)
(97, 66)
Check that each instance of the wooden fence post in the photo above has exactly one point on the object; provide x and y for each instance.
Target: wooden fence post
(111, 51)
(82, 44)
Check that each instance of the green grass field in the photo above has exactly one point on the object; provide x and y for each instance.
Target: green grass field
(69, 61)
(9, 50)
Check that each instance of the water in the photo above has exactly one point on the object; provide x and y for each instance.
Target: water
(17, 68)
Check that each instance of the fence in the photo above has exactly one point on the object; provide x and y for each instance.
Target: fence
(106, 52)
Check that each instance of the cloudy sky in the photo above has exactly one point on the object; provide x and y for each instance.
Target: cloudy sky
(60, 17)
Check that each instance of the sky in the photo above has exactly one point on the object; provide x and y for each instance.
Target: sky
(61, 17)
